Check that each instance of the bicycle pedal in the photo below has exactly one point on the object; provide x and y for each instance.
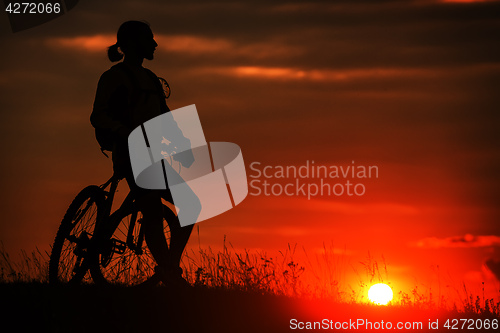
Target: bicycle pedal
(118, 246)
(138, 251)
(82, 243)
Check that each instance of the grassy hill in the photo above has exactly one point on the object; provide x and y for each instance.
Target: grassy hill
(246, 292)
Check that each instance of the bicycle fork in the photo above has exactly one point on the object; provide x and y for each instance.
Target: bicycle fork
(136, 247)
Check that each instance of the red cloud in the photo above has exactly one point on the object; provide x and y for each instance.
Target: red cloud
(96, 43)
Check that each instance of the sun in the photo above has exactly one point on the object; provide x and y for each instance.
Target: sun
(380, 294)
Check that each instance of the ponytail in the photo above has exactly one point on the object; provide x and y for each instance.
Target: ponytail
(113, 53)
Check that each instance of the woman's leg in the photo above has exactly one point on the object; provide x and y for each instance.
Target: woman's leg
(149, 203)
(152, 224)
(188, 206)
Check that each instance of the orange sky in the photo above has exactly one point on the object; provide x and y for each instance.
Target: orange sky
(408, 86)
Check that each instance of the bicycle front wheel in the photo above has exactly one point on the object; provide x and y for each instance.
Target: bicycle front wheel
(124, 259)
(68, 262)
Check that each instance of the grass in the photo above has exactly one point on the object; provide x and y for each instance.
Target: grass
(33, 267)
(319, 278)
(250, 272)
(319, 281)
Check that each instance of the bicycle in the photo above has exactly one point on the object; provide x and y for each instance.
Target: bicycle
(121, 256)
(118, 254)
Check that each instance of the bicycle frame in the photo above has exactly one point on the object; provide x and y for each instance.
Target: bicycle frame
(107, 218)
(110, 194)
(107, 238)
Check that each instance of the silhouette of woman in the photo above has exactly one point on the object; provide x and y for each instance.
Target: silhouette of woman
(128, 95)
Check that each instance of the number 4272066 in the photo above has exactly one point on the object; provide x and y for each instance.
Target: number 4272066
(471, 324)
(33, 8)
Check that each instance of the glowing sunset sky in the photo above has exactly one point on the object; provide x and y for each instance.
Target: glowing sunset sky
(411, 87)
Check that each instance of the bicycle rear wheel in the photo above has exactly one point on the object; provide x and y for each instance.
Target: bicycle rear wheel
(68, 262)
(127, 262)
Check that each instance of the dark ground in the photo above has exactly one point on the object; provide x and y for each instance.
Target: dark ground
(44, 308)
(34, 307)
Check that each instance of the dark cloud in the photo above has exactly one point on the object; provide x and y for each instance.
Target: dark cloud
(466, 241)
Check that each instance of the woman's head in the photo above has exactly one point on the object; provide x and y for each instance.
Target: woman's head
(134, 38)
